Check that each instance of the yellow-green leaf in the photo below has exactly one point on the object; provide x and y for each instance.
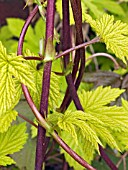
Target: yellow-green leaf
(38, 76)
(99, 97)
(113, 33)
(13, 71)
(6, 160)
(84, 148)
(6, 120)
(13, 140)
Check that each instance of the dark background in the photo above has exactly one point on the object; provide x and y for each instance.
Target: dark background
(12, 8)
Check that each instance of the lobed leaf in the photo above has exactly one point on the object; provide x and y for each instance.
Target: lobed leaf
(19, 68)
(13, 71)
(15, 25)
(6, 160)
(6, 120)
(113, 34)
(98, 124)
(72, 121)
(13, 140)
(93, 8)
(84, 148)
(109, 4)
(125, 104)
(7, 90)
(91, 100)
(54, 84)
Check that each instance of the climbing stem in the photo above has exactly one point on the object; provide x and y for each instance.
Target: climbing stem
(42, 140)
(66, 43)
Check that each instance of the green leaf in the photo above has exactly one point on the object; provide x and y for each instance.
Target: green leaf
(54, 91)
(70, 120)
(109, 4)
(19, 68)
(84, 148)
(114, 118)
(25, 159)
(54, 85)
(40, 28)
(107, 121)
(10, 92)
(93, 8)
(13, 140)
(7, 91)
(32, 37)
(113, 34)
(98, 124)
(13, 71)
(6, 120)
(104, 134)
(34, 130)
(99, 97)
(15, 25)
(125, 104)
(5, 160)
(5, 34)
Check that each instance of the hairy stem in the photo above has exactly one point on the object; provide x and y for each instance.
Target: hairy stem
(42, 140)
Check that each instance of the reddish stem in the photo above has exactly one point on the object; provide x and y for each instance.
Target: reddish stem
(42, 140)
(65, 45)
(27, 120)
(33, 58)
(35, 110)
(107, 160)
(24, 29)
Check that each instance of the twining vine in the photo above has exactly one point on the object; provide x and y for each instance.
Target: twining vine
(33, 107)
(84, 129)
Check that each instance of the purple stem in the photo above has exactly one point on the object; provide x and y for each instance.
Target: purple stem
(94, 40)
(33, 58)
(77, 12)
(107, 160)
(42, 140)
(27, 120)
(80, 53)
(65, 45)
(24, 30)
(65, 165)
(33, 107)
(74, 155)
